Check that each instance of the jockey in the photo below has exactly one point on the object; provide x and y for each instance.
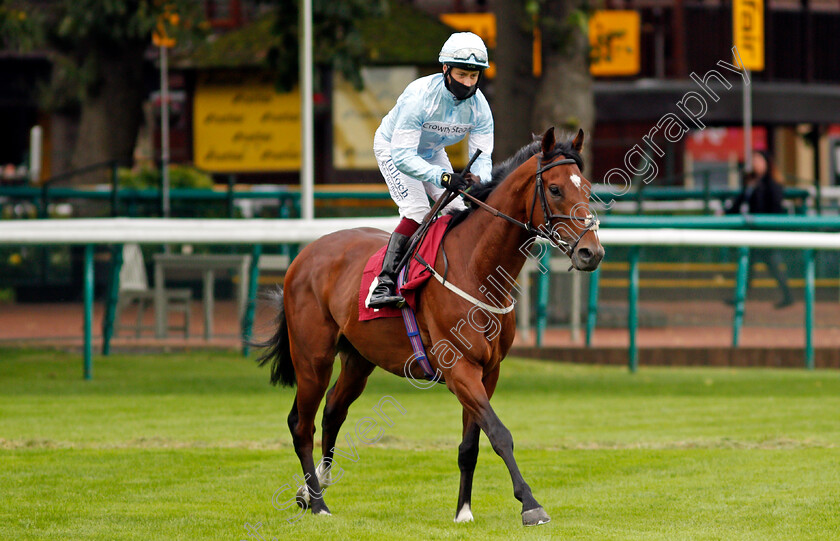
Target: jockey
(433, 112)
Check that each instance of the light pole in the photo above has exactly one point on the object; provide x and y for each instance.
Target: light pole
(161, 38)
(307, 162)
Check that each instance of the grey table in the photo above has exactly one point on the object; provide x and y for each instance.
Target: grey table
(206, 265)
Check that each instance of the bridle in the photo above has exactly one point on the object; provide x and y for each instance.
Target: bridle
(589, 223)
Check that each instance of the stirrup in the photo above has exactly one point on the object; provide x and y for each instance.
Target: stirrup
(394, 301)
(389, 302)
(389, 297)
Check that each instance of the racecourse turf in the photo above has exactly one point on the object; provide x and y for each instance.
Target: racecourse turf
(192, 446)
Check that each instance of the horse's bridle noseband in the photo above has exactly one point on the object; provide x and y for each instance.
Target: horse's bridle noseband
(589, 221)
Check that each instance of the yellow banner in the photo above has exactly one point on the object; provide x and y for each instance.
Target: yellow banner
(481, 24)
(356, 114)
(614, 39)
(748, 32)
(241, 124)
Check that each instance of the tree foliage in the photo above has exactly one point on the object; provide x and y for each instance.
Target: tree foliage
(98, 51)
(17, 28)
(561, 23)
(562, 95)
(336, 37)
(80, 34)
(66, 23)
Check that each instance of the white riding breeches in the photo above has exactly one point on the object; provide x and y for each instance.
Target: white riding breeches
(410, 193)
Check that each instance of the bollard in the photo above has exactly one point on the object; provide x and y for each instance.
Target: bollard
(633, 309)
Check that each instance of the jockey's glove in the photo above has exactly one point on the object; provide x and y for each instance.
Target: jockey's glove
(453, 182)
(472, 180)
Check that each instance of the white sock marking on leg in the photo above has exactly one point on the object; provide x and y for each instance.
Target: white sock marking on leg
(464, 515)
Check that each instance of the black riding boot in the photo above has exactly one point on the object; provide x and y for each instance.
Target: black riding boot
(385, 293)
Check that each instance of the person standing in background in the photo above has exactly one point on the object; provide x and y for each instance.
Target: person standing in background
(763, 193)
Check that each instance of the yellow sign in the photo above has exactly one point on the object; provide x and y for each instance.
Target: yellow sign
(614, 41)
(241, 124)
(481, 24)
(356, 114)
(748, 32)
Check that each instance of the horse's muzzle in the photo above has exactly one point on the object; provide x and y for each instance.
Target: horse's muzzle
(586, 258)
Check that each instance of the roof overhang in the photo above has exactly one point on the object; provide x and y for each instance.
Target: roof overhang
(773, 103)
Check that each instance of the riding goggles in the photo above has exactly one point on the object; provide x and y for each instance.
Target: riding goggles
(463, 55)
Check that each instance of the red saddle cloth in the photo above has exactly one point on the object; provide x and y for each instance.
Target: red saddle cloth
(417, 273)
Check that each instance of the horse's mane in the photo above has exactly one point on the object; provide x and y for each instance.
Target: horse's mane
(502, 170)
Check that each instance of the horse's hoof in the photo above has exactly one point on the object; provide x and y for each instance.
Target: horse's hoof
(535, 517)
(464, 515)
(302, 497)
(320, 508)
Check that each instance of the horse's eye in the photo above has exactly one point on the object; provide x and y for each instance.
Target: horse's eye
(554, 190)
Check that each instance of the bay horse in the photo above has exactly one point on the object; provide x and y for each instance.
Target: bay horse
(540, 191)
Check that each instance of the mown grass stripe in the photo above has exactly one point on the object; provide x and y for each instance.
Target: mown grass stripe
(194, 445)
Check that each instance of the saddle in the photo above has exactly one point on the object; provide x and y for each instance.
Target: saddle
(415, 276)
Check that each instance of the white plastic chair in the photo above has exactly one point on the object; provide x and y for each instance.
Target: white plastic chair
(134, 286)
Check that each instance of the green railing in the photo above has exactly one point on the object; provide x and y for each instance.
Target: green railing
(123, 200)
(739, 221)
(128, 197)
(641, 195)
(704, 191)
(755, 222)
(41, 195)
(289, 198)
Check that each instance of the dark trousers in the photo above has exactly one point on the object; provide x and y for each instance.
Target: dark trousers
(773, 260)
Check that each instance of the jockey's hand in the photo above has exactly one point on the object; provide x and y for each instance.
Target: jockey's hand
(453, 182)
(472, 180)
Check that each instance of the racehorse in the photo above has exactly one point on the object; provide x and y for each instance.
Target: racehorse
(540, 191)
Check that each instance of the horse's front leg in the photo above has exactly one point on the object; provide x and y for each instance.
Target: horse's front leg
(465, 381)
(468, 454)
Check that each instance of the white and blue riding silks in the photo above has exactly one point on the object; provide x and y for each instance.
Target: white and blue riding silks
(427, 118)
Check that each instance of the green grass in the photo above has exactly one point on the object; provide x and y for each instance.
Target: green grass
(192, 446)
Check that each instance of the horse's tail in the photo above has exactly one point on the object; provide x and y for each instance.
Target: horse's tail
(276, 349)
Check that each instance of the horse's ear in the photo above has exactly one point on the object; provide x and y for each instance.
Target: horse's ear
(548, 140)
(577, 144)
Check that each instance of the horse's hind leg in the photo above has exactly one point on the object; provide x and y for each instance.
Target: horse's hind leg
(355, 370)
(468, 454)
(313, 353)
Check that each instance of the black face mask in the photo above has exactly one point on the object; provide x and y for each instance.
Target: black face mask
(459, 90)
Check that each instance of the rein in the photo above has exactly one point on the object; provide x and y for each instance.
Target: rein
(589, 223)
(460, 292)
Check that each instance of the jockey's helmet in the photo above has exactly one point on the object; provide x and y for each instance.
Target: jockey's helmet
(464, 50)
